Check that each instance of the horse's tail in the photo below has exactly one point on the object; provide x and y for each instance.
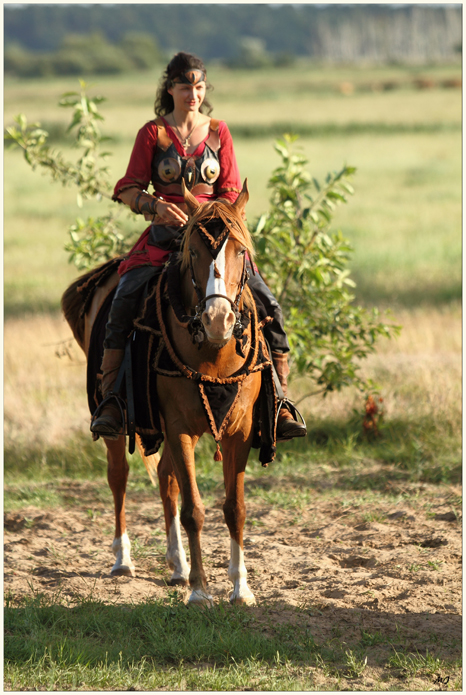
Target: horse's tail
(77, 297)
(151, 462)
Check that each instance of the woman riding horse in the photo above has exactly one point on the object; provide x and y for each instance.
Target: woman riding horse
(182, 144)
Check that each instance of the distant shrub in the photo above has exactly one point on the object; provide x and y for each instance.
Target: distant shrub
(93, 52)
(84, 54)
(15, 58)
(141, 50)
(252, 55)
(21, 63)
(284, 60)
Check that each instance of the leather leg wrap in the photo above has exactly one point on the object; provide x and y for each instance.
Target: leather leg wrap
(280, 361)
(111, 363)
(108, 420)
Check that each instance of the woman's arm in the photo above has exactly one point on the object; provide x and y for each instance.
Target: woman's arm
(228, 184)
(131, 189)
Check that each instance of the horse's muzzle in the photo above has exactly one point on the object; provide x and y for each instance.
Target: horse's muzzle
(218, 320)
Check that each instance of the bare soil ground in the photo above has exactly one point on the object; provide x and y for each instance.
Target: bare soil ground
(375, 576)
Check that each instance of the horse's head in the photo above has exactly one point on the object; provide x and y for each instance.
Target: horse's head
(215, 246)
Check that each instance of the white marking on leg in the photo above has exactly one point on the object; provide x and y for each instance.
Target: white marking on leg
(175, 556)
(200, 597)
(122, 550)
(237, 573)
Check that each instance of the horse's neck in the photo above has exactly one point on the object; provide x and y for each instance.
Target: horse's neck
(207, 359)
(188, 294)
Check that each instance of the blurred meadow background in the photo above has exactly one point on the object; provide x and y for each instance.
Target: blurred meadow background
(399, 126)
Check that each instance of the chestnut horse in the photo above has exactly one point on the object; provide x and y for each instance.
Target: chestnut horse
(219, 277)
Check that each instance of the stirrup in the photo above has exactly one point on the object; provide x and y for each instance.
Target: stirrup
(290, 406)
(97, 413)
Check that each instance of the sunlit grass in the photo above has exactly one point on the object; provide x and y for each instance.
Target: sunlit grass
(57, 644)
(404, 221)
(309, 93)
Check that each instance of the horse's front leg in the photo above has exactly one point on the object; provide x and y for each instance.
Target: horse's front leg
(117, 476)
(235, 457)
(169, 490)
(192, 511)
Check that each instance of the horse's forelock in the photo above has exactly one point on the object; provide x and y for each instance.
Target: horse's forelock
(229, 216)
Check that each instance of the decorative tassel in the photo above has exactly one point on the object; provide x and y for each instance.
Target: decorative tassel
(218, 454)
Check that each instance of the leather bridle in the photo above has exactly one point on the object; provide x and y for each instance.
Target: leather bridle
(196, 326)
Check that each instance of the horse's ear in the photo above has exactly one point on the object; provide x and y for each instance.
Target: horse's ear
(189, 199)
(243, 198)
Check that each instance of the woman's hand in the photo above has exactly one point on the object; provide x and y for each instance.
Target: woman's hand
(154, 209)
(170, 214)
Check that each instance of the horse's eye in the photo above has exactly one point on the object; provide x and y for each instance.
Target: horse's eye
(241, 252)
(192, 253)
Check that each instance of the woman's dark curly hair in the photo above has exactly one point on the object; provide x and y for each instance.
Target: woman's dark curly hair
(179, 64)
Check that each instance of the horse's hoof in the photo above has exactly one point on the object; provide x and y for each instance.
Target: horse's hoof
(123, 571)
(177, 581)
(242, 600)
(200, 598)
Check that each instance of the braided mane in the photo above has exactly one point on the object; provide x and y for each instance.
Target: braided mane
(230, 217)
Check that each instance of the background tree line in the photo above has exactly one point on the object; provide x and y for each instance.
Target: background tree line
(77, 39)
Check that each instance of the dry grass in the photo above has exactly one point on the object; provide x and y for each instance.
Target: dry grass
(44, 396)
(419, 374)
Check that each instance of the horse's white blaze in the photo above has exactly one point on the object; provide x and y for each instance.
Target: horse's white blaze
(122, 550)
(175, 556)
(220, 318)
(237, 573)
(216, 285)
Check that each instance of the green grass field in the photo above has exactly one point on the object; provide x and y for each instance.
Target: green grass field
(404, 222)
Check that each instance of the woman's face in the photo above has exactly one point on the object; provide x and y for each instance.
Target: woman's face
(187, 97)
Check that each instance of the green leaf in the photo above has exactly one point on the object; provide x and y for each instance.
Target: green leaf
(336, 196)
(260, 224)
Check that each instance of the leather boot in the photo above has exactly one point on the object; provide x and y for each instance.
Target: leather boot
(287, 426)
(108, 423)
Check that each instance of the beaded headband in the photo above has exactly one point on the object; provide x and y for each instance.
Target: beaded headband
(192, 77)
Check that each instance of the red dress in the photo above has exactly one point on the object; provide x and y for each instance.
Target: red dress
(139, 174)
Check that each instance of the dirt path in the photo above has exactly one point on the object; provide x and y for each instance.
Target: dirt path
(405, 571)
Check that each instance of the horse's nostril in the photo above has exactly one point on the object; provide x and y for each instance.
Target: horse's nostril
(218, 323)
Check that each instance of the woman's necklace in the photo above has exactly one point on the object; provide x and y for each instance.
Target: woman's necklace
(186, 142)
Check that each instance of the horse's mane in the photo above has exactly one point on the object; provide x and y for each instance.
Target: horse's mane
(229, 215)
